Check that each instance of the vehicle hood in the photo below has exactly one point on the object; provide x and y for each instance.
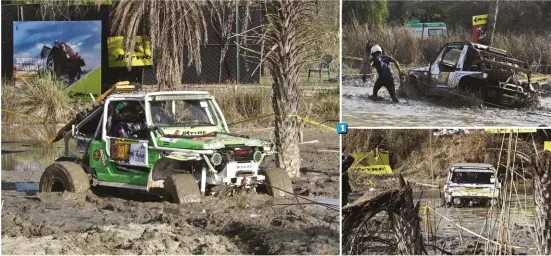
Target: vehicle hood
(212, 141)
(420, 69)
(470, 185)
(462, 186)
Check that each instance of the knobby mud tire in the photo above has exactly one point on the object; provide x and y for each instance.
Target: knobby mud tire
(64, 176)
(182, 188)
(277, 180)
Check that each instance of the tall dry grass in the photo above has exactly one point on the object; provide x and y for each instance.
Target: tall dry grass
(38, 97)
(46, 98)
(413, 153)
(407, 49)
(244, 104)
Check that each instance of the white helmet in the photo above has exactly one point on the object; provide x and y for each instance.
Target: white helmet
(376, 48)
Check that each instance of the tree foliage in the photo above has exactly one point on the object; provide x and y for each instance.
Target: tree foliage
(514, 16)
(365, 12)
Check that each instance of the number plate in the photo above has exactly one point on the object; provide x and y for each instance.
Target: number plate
(244, 166)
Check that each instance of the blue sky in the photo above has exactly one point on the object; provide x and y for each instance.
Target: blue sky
(83, 36)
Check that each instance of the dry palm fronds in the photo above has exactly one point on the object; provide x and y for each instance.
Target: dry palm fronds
(57, 10)
(172, 26)
(401, 232)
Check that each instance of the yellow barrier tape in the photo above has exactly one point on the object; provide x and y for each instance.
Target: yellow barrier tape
(427, 217)
(352, 57)
(312, 122)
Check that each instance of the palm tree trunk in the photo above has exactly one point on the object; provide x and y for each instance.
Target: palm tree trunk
(287, 39)
(542, 185)
(492, 20)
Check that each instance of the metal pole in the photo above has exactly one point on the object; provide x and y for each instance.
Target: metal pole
(238, 68)
(430, 149)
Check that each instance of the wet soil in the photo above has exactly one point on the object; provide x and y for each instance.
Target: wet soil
(359, 110)
(111, 221)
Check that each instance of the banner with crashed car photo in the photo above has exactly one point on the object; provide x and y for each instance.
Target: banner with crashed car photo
(479, 28)
(68, 51)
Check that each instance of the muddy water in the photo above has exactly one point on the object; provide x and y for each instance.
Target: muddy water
(25, 155)
(359, 111)
(477, 219)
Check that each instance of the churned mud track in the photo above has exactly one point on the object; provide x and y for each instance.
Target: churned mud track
(359, 110)
(117, 222)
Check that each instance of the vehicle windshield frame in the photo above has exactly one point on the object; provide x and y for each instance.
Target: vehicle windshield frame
(209, 110)
(467, 173)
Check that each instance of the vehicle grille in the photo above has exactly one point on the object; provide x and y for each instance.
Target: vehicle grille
(238, 154)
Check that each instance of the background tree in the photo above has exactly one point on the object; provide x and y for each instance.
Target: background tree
(492, 20)
(172, 26)
(287, 39)
(365, 12)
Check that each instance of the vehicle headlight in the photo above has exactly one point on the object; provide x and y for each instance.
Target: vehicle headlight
(216, 158)
(257, 156)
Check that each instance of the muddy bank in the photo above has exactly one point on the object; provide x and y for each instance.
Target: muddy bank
(359, 110)
(115, 222)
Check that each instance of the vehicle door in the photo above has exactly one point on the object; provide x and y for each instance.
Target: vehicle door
(444, 69)
(125, 152)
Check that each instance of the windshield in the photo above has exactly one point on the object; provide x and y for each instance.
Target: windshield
(473, 177)
(183, 113)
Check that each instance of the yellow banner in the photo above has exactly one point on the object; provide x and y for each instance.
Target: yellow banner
(480, 19)
(117, 58)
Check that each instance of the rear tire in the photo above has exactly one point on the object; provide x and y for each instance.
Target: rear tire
(182, 188)
(64, 176)
(279, 179)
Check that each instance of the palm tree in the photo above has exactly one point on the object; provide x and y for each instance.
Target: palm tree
(171, 26)
(287, 39)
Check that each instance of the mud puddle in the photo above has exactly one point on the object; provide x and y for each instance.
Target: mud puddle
(116, 222)
(477, 219)
(359, 111)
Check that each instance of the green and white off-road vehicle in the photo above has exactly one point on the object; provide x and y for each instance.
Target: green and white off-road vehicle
(470, 184)
(180, 148)
(477, 71)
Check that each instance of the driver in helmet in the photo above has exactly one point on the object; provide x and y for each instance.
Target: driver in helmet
(382, 64)
(366, 60)
(128, 126)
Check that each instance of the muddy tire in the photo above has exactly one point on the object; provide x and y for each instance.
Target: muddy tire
(182, 188)
(277, 180)
(64, 176)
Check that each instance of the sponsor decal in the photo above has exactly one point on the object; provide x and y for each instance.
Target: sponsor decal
(96, 155)
(102, 156)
